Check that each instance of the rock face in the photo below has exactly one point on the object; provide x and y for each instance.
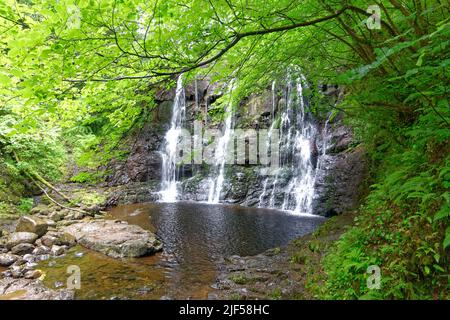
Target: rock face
(25, 289)
(114, 238)
(32, 224)
(20, 237)
(340, 171)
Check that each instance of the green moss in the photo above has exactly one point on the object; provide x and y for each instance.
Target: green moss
(276, 294)
(299, 258)
(239, 279)
(88, 197)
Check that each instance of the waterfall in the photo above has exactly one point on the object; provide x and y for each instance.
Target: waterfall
(292, 186)
(220, 154)
(169, 174)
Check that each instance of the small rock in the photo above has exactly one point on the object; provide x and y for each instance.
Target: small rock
(66, 239)
(78, 254)
(29, 266)
(51, 224)
(48, 240)
(6, 274)
(32, 224)
(16, 271)
(22, 248)
(44, 257)
(213, 296)
(78, 216)
(20, 237)
(32, 274)
(94, 209)
(57, 250)
(41, 250)
(29, 257)
(7, 259)
(56, 216)
(19, 262)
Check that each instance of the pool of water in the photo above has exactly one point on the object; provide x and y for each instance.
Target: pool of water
(196, 238)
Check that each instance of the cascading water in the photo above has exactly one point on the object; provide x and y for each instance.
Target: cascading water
(220, 155)
(169, 174)
(292, 186)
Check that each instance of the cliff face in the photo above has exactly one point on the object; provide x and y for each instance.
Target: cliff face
(340, 169)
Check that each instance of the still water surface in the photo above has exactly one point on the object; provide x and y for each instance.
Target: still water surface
(196, 238)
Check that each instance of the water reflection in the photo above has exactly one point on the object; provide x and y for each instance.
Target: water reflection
(195, 237)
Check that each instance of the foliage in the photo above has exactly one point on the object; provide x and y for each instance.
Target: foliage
(76, 77)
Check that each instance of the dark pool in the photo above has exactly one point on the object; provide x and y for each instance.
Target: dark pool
(196, 238)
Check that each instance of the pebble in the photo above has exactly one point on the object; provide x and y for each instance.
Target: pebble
(7, 259)
(57, 250)
(32, 274)
(22, 248)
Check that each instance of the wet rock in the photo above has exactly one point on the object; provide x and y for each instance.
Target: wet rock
(51, 224)
(48, 240)
(7, 259)
(29, 257)
(40, 250)
(58, 238)
(56, 216)
(20, 237)
(94, 209)
(32, 224)
(19, 262)
(28, 289)
(22, 249)
(338, 183)
(16, 271)
(75, 216)
(114, 238)
(32, 274)
(66, 239)
(57, 250)
(29, 266)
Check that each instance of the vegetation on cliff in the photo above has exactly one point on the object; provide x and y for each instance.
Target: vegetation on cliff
(77, 76)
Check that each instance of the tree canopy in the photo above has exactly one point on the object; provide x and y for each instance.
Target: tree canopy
(77, 75)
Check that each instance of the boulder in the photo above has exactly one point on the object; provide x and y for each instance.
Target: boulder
(32, 224)
(16, 238)
(22, 248)
(7, 259)
(116, 239)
